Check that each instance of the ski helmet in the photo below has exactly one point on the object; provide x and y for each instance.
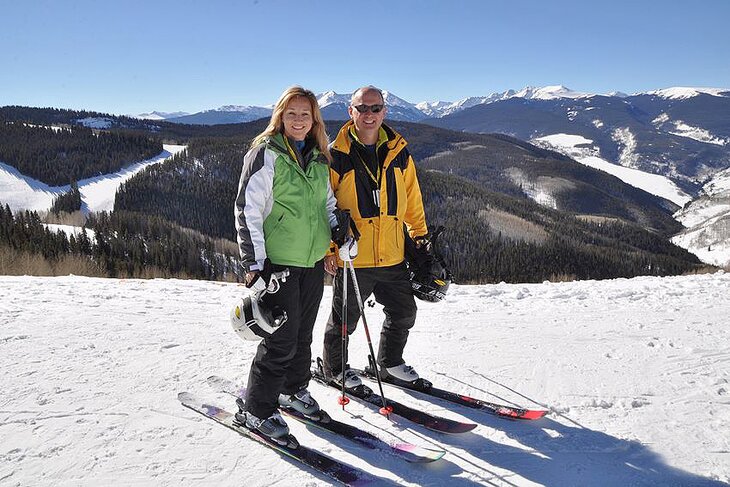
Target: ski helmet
(430, 278)
(253, 320)
(431, 284)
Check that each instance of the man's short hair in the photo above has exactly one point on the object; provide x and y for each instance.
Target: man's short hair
(363, 89)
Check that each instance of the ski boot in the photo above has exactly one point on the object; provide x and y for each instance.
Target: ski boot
(404, 374)
(352, 380)
(273, 428)
(303, 403)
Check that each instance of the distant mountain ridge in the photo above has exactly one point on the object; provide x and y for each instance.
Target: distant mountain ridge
(679, 132)
(161, 115)
(335, 104)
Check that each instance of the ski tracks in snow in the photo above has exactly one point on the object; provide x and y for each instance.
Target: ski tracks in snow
(634, 370)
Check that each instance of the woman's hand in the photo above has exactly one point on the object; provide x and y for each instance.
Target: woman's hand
(330, 264)
(250, 278)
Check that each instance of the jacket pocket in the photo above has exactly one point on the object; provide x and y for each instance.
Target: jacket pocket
(277, 226)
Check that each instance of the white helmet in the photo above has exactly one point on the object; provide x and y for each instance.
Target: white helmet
(253, 320)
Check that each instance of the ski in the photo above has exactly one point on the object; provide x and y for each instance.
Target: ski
(425, 387)
(434, 423)
(406, 451)
(342, 472)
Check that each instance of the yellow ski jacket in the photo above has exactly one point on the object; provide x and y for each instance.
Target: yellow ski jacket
(380, 203)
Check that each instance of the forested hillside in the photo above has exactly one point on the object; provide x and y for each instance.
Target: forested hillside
(195, 189)
(58, 156)
(507, 165)
(120, 244)
(491, 234)
(480, 187)
(493, 237)
(168, 132)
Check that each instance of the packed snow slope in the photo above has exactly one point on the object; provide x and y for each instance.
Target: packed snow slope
(21, 192)
(635, 372)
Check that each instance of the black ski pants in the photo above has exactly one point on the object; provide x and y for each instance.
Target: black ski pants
(392, 289)
(283, 360)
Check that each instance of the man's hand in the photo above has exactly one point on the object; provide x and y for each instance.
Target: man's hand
(422, 242)
(348, 250)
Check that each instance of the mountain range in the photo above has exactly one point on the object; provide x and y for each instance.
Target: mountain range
(334, 107)
(673, 143)
(681, 133)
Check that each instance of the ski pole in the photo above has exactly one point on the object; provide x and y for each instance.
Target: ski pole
(386, 409)
(343, 399)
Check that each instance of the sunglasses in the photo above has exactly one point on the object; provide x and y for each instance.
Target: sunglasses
(369, 108)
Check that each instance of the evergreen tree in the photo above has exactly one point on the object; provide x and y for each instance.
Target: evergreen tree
(68, 202)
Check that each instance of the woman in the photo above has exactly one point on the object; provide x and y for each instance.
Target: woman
(285, 213)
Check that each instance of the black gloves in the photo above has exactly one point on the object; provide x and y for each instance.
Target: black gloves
(263, 276)
(418, 253)
(344, 222)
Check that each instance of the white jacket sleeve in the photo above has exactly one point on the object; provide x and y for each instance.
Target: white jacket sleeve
(253, 204)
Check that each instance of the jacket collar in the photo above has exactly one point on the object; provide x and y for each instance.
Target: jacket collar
(279, 144)
(387, 135)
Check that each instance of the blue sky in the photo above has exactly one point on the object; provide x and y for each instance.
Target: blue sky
(128, 57)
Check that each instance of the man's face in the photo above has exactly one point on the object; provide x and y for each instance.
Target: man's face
(368, 123)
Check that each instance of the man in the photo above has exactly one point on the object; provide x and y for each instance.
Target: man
(373, 177)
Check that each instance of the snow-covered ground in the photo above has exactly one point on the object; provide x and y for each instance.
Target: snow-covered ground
(582, 150)
(636, 373)
(70, 230)
(707, 218)
(708, 222)
(97, 194)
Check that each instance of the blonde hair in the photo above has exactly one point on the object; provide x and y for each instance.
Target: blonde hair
(276, 125)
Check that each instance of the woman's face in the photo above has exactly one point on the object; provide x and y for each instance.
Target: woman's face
(297, 118)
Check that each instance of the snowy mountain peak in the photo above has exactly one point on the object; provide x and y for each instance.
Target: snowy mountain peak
(684, 92)
(433, 105)
(160, 115)
(330, 98)
(549, 93)
(443, 108)
(237, 108)
(394, 101)
(404, 110)
(435, 108)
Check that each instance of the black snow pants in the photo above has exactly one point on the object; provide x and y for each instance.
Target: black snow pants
(392, 289)
(283, 360)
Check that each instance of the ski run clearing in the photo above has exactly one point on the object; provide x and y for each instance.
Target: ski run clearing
(635, 372)
(97, 193)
